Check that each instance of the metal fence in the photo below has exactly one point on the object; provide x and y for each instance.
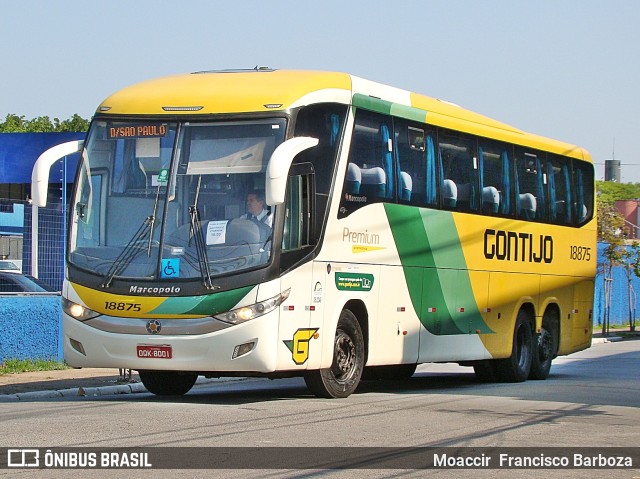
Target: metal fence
(16, 238)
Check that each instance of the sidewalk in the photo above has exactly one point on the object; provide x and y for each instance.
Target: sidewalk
(67, 382)
(75, 382)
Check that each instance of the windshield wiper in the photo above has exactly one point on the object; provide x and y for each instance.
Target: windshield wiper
(195, 232)
(131, 251)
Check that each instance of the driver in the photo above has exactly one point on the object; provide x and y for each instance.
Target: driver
(256, 210)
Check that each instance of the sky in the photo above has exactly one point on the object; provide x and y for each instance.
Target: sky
(566, 69)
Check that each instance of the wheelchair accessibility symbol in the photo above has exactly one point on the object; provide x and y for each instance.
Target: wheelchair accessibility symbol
(170, 268)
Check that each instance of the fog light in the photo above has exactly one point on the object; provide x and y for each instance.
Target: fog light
(77, 345)
(242, 349)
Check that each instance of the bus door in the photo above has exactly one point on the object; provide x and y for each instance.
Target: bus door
(297, 333)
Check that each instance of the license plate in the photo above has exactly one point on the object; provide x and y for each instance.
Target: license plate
(153, 351)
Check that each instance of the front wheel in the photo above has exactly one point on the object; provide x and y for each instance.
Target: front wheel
(168, 383)
(343, 377)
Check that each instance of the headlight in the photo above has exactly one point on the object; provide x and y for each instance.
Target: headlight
(246, 313)
(77, 311)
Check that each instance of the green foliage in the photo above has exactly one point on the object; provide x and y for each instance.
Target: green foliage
(42, 124)
(610, 224)
(610, 191)
(12, 366)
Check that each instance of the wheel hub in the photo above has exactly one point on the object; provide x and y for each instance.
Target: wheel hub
(345, 354)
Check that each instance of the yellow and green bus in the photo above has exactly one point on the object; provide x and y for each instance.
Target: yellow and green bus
(401, 230)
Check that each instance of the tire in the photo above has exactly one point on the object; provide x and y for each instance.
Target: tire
(517, 367)
(167, 383)
(343, 377)
(396, 372)
(545, 347)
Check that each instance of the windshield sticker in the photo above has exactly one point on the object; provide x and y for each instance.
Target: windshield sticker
(170, 268)
(161, 178)
(216, 232)
(354, 281)
(299, 345)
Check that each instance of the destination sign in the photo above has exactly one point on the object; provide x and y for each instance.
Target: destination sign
(136, 131)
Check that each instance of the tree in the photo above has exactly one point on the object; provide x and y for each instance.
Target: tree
(75, 123)
(630, 258)
(610, 222)
(42, 124)
(610, 228)
(611, 231)
(13, 124)
(610, 191)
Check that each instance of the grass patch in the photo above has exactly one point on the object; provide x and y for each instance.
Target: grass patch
(13, 366)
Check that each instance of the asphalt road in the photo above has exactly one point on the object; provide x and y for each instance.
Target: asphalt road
(591, 399)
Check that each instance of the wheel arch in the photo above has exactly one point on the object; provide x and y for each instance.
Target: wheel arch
(530, 309)
(359, 309)
(551, 309)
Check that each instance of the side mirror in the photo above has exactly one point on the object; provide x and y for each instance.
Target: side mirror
(40, 172)
(278, 167)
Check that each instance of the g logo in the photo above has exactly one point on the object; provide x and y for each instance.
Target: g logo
(299, 345)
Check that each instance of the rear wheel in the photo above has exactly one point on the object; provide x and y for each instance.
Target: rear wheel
(545, 347)
(342, 378)
(168, 383)
(517, 367)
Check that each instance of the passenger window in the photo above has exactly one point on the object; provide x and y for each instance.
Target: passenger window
(325, 122)
(531, 184)
(458, 172)
(583, 187)
(560, 204)
(417, 163)
(370, 176)
(495, 178)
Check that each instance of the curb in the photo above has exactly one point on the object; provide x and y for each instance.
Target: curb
(131, 388)
(75, 392)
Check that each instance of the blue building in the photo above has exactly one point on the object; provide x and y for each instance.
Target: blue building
(18, 154)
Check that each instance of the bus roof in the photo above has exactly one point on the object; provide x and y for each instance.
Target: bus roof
(260, 90)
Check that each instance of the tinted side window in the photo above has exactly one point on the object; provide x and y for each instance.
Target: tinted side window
(531, 184)
(560, 202)
(458, 172)
(496, 177)
(583, 191)
(326, 123)
(370, 176)
(415, 149)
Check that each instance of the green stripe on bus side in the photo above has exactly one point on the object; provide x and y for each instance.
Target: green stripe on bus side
(388, 108)
(408, 112)
(205, 305)
(435, 269)
(372, 104)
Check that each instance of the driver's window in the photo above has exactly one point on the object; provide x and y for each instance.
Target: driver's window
(297, 214)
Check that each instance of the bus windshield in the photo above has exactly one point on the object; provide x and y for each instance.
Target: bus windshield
(161, 200)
